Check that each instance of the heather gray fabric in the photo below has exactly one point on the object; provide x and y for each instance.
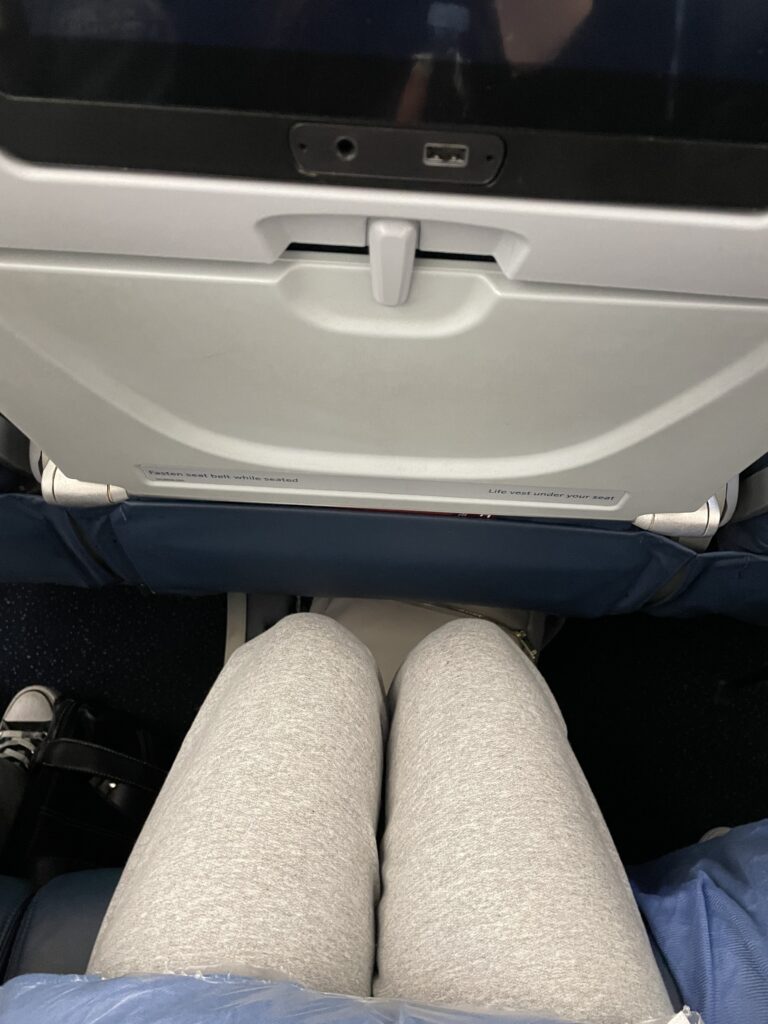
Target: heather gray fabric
(260, 853)
(501, 885)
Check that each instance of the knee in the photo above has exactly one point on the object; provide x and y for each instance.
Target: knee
(308, 647)
(476, 663)
(469, 640)
(319, 633)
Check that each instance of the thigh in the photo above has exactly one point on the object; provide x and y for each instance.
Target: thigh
(260, 854)
(501, 885)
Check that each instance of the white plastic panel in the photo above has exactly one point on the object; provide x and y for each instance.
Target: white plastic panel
(289, 383)
(135, 214)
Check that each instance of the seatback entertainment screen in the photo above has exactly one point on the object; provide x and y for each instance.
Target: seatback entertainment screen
(680, 71)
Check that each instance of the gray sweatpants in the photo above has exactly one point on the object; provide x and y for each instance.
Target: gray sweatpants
(501, 886)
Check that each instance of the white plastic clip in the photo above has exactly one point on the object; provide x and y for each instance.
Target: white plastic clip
(59, 489)
(392, 245)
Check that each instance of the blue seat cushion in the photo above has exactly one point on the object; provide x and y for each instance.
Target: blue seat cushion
(14, 896)
(60, 925)
(707, 909)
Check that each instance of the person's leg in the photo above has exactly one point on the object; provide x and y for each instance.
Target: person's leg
(24, 728)
(501, 885)
(260, 854)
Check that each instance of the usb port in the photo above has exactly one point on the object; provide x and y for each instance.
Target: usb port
(445, 154)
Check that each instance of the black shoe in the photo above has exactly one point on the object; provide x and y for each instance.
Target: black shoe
(25, 724)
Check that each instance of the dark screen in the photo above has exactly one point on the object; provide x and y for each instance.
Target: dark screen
(682, 69)
(709, 38)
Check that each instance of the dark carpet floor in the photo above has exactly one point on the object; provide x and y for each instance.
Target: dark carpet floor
(154, 657)
(670, 722)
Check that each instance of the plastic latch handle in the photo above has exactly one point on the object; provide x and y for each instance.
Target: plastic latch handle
(392, 246)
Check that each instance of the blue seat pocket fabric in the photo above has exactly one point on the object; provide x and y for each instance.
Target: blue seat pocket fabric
(41, 543)
(572, 568)
(707, 908)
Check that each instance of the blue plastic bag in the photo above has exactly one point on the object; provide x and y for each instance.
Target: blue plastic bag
(175, 999)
